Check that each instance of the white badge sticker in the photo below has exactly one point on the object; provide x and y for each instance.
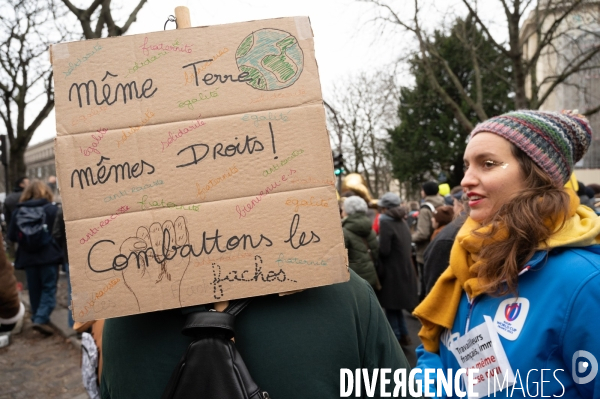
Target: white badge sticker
(480, 348)
(510, 317)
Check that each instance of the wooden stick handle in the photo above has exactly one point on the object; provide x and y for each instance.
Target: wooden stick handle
(183, 17)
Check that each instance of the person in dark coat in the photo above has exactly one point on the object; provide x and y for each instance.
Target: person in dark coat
(40, 264)
(10, 204)
(437, 254)
(360, 239)
(12, 199)
(397, 274)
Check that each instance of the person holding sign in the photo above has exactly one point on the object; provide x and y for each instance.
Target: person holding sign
(518, 308)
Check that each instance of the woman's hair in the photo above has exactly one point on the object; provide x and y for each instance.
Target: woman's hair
(36, 190)
(529, 218)
(355, 204)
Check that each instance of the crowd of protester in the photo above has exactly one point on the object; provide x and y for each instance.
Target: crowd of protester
(437, 258)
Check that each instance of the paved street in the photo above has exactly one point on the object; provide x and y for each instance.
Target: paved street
(37, 367)
(34, 366)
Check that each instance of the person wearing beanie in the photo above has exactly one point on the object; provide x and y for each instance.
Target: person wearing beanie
(396, 271)
(522, 290)
(443, 215)
(424, 229)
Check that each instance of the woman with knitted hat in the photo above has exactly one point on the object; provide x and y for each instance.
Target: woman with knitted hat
(520, 300)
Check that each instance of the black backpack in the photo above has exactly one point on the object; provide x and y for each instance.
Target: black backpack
(212, 367)
(33, 233)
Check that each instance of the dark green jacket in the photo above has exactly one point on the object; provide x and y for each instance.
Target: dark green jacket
(357, 230)
(294, 345)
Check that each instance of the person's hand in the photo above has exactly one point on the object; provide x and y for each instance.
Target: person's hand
(161, 266)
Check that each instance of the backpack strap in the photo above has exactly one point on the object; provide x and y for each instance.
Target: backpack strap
(236, 307)
(212, 367)
(428, 205)
(198, 322)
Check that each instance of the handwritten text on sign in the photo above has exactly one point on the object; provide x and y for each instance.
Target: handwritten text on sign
(179, 188)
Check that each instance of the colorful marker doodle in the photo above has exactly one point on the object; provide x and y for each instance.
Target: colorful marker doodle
(311, 180)
(103, 223)
(144, 63)
(135, 189)
(132, 129)
(272, 117)
(245, 209)
(175, 47)
(145, 203)
(84, 118)
(81, 60)
(283, 162)
(182, 131)
(272, 58)
(201, 97)
(299, 203)
(93, 148)
(282, 259)
(202, 190)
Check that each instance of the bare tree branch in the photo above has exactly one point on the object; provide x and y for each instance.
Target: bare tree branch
(132, 16)
(105, 18)
(592, 111)
(360, 110)
(484, 27)
(566, 73)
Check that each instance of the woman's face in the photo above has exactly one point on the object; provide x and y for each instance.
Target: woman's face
(492, 175)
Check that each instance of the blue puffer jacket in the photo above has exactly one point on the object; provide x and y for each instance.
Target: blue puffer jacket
(51, 254)
(563, 291)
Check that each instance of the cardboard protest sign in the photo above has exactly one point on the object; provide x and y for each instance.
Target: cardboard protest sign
(195, 167)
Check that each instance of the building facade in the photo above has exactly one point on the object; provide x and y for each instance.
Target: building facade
(39, 159)
(576, 37)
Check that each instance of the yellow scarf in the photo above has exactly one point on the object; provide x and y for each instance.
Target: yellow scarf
(438, 309)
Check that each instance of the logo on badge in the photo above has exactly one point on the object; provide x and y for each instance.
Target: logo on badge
(512, 311)
(510, 317)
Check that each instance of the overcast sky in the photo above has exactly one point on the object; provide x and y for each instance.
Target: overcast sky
(345, 43)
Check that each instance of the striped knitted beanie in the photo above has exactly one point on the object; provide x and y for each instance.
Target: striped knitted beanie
(554, 141)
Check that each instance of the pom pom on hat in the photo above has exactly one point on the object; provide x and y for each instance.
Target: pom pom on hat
(554, 141)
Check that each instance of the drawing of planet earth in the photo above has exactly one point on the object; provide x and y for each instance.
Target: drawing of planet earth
(273, 58)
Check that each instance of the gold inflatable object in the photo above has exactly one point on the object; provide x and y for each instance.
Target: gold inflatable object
(355, 182)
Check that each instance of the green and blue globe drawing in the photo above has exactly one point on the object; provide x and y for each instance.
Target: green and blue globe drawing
(272, 58)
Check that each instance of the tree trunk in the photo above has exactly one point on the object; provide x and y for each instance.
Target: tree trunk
(16, 167)
(516, 56)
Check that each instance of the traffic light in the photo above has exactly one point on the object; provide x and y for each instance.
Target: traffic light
(4, 149)
(338, 164)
